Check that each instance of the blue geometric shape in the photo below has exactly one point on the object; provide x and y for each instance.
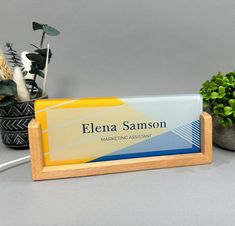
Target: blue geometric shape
(169, 143)
(161, 142)
(190, 132)
(194, 149)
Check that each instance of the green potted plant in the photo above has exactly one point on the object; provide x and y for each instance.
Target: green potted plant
(19, 89)
(219, 100)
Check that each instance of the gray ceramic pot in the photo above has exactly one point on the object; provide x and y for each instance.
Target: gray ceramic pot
(14, 122)
(223, 136)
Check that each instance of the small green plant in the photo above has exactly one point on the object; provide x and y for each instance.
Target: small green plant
(219, 97)
(14, 58)
(11, 82)
(38, 57)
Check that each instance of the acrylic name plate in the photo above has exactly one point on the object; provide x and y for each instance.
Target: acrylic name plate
(98, 130)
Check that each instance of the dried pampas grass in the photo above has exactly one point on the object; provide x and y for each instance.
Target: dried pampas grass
(5, 71)
(22, 91)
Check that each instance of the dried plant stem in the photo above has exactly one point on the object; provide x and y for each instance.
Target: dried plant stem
(32, 87)
(42, 39)
(46, 69)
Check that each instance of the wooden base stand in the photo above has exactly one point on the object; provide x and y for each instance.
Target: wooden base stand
(41, 172)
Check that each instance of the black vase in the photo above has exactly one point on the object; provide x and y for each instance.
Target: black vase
(14, 122)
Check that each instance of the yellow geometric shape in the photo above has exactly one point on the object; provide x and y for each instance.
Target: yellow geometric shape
(64, 121)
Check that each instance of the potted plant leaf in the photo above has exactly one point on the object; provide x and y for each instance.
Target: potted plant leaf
(219, 100)
(19, 87)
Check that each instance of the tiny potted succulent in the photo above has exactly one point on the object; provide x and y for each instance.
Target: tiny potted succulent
(19, 87)
(219, 100)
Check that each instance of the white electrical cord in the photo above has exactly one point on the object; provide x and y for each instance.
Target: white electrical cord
(13, 163)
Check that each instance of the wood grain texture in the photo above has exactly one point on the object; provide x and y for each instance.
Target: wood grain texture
(206, 135)
(40, 172)
(35, 146)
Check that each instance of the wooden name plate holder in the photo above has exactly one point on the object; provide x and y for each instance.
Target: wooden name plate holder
(50, 161)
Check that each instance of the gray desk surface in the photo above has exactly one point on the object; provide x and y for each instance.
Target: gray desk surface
(198, 195)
